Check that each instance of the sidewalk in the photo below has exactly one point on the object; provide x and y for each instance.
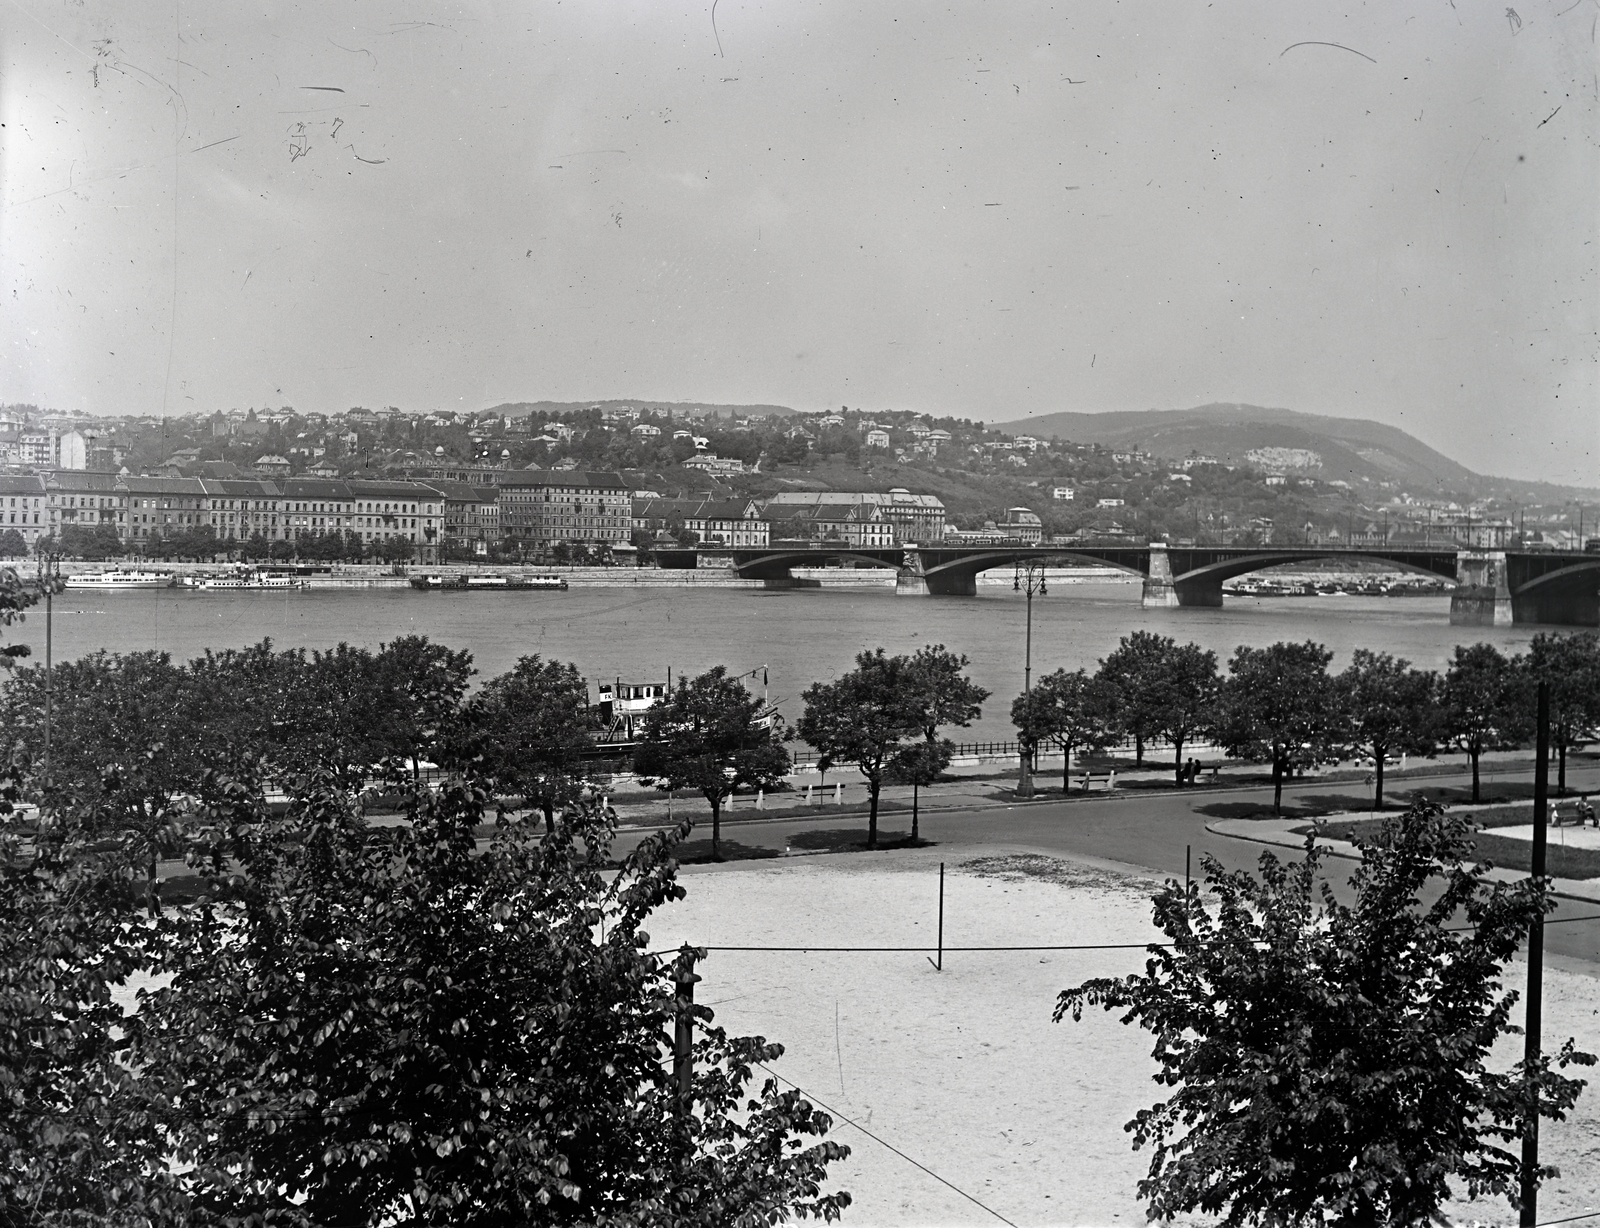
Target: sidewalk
(1280, 833)
(992, 784)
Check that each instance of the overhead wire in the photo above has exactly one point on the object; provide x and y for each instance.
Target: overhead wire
(885, 1143)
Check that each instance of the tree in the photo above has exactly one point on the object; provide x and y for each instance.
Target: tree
(711, 735)
(1486, 704)
(1570, 663)
(16, 597)
(1329, 1061)
(1389, 707)
(77, 1144)
(100, 542)
(246, 700)
(12, 544)
(1132, 675)
(917, 764)
(531, 726)
(1277, 706)
(1067, 709)
(382, 1025)
(944, 694)
(420, 686)
(864, 718)
(332, 714)
(123, 748)
(1183, 693)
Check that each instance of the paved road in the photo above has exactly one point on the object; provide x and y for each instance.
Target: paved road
(1149, 830)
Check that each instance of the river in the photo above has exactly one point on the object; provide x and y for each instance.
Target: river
(799, 635)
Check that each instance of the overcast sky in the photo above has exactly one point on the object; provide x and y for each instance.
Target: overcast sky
(985, 209)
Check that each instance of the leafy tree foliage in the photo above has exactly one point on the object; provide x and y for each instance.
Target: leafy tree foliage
(123, 747)
(1329, 1061)
(864, 718)
(1184, 694)
(77, 1142)
(200, 542)
(75, 1145)
(531, 726)
(12, 544)
(100, 542)
(1277, 706)
(420, 685)
(1389, 708)
(383, 1025)
(941, 690)
(943, 694)
(16, 596)
(1570, 663)
(917, 764)
(1068, 709)
(710, 735)
(1131, 675)
(1486, 704)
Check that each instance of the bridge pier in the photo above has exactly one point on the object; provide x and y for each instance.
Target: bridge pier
(909, 582)
(1483, 591)
(913, 583)
(1162, 592)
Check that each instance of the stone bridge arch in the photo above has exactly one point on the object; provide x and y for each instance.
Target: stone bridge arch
(1193, 575)
(952, 571)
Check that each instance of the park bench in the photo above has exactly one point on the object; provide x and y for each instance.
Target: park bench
(1580, 814)
(1108, 779)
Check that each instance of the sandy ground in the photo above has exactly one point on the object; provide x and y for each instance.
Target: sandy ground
(964, 1070)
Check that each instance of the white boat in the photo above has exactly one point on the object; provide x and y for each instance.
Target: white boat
(248, 580)
(120, 579)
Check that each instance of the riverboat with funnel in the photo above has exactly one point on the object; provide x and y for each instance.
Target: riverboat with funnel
(494, 583)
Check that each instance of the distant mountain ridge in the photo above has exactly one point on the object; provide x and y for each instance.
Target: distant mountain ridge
(1351, 449)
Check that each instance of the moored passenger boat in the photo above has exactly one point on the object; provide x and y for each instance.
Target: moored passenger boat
(119, 579)
(487, 583)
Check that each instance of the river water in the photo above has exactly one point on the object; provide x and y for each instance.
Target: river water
(799, 635)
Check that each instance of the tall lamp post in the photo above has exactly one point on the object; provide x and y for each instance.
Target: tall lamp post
(1029, 579)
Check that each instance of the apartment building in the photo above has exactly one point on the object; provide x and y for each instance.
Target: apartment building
(539, 508)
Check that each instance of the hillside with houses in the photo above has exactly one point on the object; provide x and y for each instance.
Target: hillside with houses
(665, 476)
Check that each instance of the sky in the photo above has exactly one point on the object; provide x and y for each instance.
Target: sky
(988, 210)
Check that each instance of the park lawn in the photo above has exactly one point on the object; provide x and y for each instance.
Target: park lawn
(1505, 852)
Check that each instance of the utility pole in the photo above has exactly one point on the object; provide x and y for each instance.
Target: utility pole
(1028, 579)
(1535, 1017)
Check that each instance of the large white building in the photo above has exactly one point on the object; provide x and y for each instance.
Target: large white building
(914, 518)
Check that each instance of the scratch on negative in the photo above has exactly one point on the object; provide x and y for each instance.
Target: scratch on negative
(1317, 42)
(1547, 118)
(332, 89)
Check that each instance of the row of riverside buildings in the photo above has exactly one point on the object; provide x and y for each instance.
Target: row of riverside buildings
(525, 512)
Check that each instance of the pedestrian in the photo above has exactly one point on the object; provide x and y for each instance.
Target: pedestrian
(1586, 812)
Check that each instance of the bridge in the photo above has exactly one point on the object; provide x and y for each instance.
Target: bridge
(1493, 587)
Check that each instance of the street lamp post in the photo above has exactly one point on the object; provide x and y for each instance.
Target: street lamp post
(1028, 580)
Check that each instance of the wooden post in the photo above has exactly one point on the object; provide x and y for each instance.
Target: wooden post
(684, 977)
(938, 965)
(1534, 1020)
